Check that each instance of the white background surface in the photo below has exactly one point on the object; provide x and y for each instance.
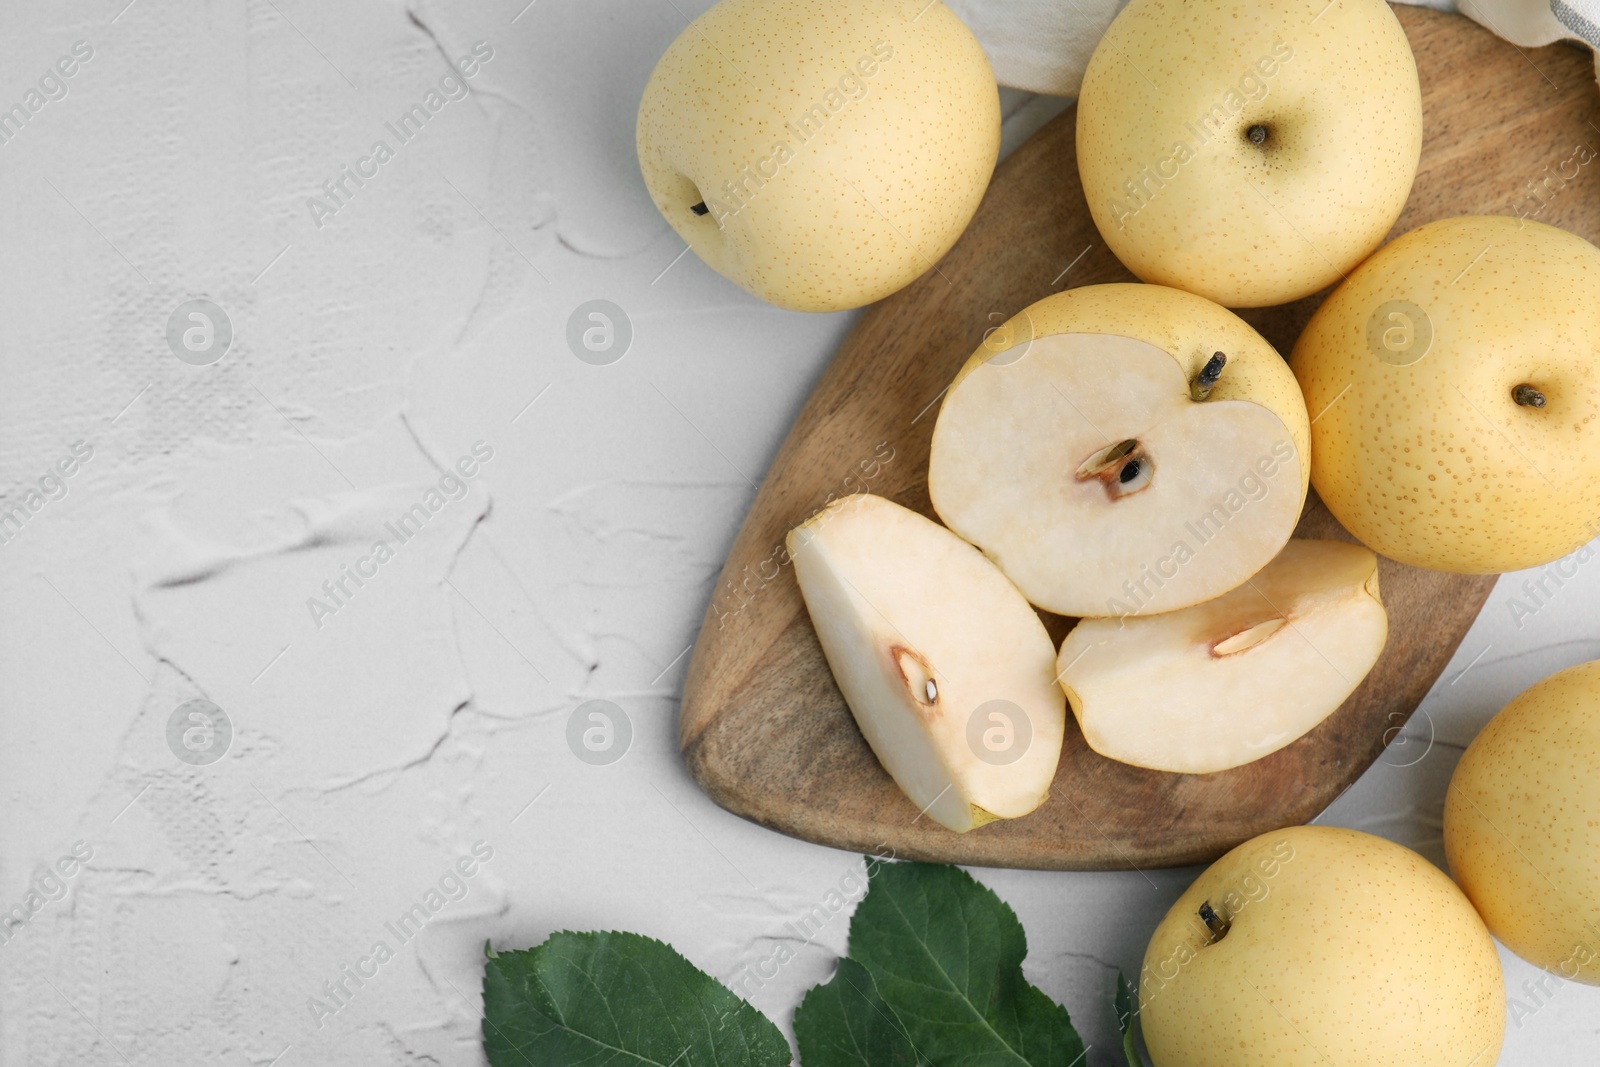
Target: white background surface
(429, 711)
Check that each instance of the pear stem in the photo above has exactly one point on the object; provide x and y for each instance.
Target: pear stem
(1203, 383)
(1215, 923)
(1528, 396)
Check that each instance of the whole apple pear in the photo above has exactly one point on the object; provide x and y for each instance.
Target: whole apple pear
(1316, 945)
(1453, 382)
(1522, 824)
(1251, 151)
(822, 154)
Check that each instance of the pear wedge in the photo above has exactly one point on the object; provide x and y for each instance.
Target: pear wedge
(949, 673)
(1226, 682)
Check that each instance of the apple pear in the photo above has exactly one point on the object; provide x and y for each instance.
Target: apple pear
(1314, 946)
(947, 670)
(1522, 824)
(1220, 684)
(1122, 449)
(822, 154)
(1251, 151)
(1454, 382)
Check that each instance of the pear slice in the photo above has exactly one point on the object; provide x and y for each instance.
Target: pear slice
(1123, 449)
(948, 671)
(1226, 682)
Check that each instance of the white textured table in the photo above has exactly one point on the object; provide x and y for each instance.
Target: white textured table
(398, 325)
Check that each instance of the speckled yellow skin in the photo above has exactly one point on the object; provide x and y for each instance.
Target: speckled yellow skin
(1344, 949)
(862, 198)
(1522, 824)
(1434, 463)
(1188, 327)
(1248, 225)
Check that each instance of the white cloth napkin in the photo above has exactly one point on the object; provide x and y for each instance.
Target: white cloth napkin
(1042, 46)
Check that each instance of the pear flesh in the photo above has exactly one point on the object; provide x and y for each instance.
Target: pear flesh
(1089, 468)
(1226, 682)
(949, 673)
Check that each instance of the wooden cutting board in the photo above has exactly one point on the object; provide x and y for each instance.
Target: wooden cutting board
(764, 729)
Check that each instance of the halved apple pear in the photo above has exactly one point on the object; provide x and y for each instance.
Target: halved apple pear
(1226, 682)
(947, 670)
(1127, 449)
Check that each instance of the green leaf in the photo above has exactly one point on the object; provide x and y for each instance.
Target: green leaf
(946, 956)
(1127, 1022)
(845, 1023)
(603, 999)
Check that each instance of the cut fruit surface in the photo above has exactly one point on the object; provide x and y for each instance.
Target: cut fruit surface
(1229, 681)
(1138, 450)
(949, 673)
